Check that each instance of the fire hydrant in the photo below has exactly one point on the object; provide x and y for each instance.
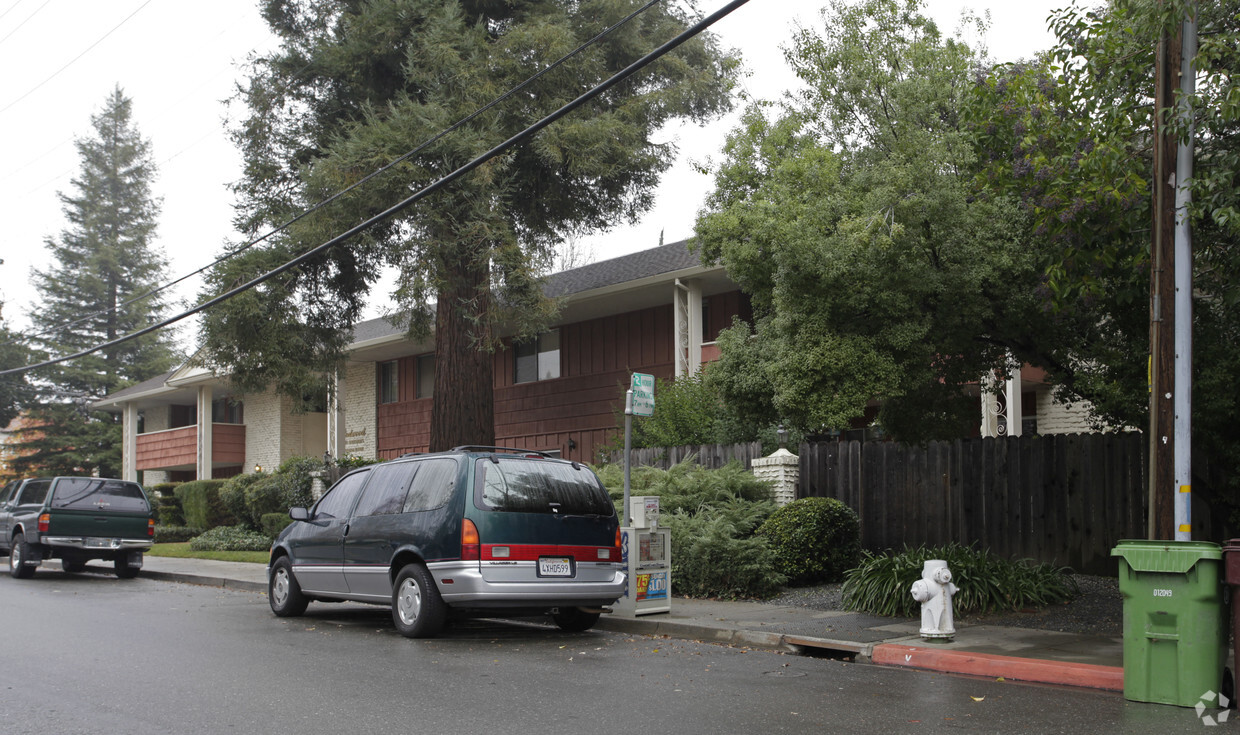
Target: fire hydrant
(934, 591)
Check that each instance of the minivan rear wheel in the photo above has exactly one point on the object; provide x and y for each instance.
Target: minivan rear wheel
(574, 619)
(417, 609)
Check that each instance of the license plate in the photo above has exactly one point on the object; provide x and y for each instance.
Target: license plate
(101, 543)
(555, 566)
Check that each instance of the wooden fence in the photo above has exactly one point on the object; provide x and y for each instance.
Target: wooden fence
(1064, 499)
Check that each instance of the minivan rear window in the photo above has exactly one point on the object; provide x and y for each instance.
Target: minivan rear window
(537, 486)
(84, 493)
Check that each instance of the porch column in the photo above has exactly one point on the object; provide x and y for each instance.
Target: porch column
(687, 327)
(129, 443)
(1011, 391)
(204, 433)
(335, 417)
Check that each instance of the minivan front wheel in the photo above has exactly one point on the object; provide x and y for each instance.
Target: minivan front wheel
(417, 609)
(283, 592)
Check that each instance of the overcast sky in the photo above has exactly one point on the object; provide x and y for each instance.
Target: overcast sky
(178, 61)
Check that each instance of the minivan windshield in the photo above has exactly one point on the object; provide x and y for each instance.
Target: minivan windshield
(538, 486)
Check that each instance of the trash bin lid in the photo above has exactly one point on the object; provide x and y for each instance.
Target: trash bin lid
(1174, 557)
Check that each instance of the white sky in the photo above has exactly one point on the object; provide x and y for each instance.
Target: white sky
(179, 60)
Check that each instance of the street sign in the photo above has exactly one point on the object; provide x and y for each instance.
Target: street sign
(643, 394)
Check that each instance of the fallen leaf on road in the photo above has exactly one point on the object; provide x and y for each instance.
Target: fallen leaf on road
(977, 699)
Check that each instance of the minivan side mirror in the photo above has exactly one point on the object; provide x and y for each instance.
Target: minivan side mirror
(299, 514)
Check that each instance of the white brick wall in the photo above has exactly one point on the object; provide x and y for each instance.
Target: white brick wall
(358, 400)
(156, 419)
(263, 430)
(1060, 418)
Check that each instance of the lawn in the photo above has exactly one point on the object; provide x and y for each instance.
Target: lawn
(183, 551)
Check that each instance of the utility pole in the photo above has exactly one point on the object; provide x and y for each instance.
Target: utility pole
(1162, 299)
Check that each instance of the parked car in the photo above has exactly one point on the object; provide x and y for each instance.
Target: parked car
(75, 519)
(476, 530)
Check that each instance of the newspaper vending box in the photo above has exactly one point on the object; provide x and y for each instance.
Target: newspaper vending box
(647, 556)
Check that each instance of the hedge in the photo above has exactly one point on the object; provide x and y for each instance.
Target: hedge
(201, 504)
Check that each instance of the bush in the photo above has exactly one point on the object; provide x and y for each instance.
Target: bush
(350, 462)
(687, 486)
(174, 534)
(715, 554)
(250, 497)
(881, 584)
(201, 504)
(814, 540)
(168, 510)
(161, 489)
(293, 483)
(230, 538)
(273, 523)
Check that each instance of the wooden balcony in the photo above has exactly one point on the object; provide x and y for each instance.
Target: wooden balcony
(177, 449)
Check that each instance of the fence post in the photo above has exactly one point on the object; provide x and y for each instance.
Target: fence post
(783, 470)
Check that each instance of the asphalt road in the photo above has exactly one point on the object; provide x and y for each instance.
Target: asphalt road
(94, 654)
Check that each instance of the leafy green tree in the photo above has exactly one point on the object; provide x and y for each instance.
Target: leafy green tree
(99, 263)
(355, 85)
(15, 391)
(848, 214)
(1069, 139)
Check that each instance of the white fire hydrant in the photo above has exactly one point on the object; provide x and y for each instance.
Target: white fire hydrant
(934, 591)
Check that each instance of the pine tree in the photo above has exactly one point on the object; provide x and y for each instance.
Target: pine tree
(100, 262)
(356, 84)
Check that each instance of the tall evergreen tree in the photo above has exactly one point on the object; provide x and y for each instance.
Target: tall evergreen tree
(357, 83)
(15, 390)
(99, 263)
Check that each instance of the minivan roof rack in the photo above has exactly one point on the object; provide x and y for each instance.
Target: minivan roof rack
(476, 448)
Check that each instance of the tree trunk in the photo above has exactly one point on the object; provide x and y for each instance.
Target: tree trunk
(463, 409)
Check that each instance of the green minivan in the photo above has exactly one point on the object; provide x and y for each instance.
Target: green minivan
(475, 530)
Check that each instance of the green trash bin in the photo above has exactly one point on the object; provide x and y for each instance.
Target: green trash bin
(1174, 629)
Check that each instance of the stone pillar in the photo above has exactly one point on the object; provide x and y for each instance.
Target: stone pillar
(783, 470)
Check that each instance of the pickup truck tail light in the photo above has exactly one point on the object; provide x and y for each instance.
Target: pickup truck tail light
(150, 527)
(44, 521)
(471, 549)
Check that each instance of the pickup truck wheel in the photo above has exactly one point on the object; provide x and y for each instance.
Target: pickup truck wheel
(18, 555)
(417, 609)
(283, 592)
(72, 566)
(574, 619)
(123, 570)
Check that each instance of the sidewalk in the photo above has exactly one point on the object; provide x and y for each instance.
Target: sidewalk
(981, 650)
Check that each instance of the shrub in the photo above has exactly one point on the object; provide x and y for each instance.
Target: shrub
(174, 534)
(687, 486)
(161, 489)
(881, 583)
(715, 554)
(814, 540)
(351, 462)
(168, 510)
(232, 494)
(273, 523)
(201, 504)
(293, 483)
(230, 538)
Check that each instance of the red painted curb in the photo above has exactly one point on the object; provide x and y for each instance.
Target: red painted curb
(1009, 667)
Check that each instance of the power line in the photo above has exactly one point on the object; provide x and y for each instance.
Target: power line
(24, 22)
(453, 128)
(75, 58)
(431, 188)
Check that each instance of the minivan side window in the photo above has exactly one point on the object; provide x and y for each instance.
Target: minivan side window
(339, 499)
(432, 486)
(385, 493)
(34, 493)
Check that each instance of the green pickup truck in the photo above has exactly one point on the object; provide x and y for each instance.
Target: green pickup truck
(74, 519)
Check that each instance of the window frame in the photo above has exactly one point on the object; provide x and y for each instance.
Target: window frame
(381, 378)
(536, 349)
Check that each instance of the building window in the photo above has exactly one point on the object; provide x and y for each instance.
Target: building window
(538, 359)
(426, 376)
(227, 411)
(389, 385)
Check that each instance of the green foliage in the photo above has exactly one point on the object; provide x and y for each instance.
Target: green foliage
(848, 214)
(353, 86)
(292, 486)
(715, 554)
(168, 507)
(168, 534)
(882, 583)
(251, 496)
(273, 523)
(231, 538)
(201, 504)
(350, 462)
(712, 516)
(161, 489)
(16, 391)
(814, 540)
(95, 267)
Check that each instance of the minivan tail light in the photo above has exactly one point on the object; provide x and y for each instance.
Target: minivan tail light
(619, 549)
(44, 521)
(471, 549)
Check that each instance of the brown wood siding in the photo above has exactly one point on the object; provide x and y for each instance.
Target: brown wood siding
(722, 308)
(596, 359)
(167, 448)
(227, 444)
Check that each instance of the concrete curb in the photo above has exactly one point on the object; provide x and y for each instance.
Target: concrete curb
(736, 636)
(205, 581)
(1093, 676)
